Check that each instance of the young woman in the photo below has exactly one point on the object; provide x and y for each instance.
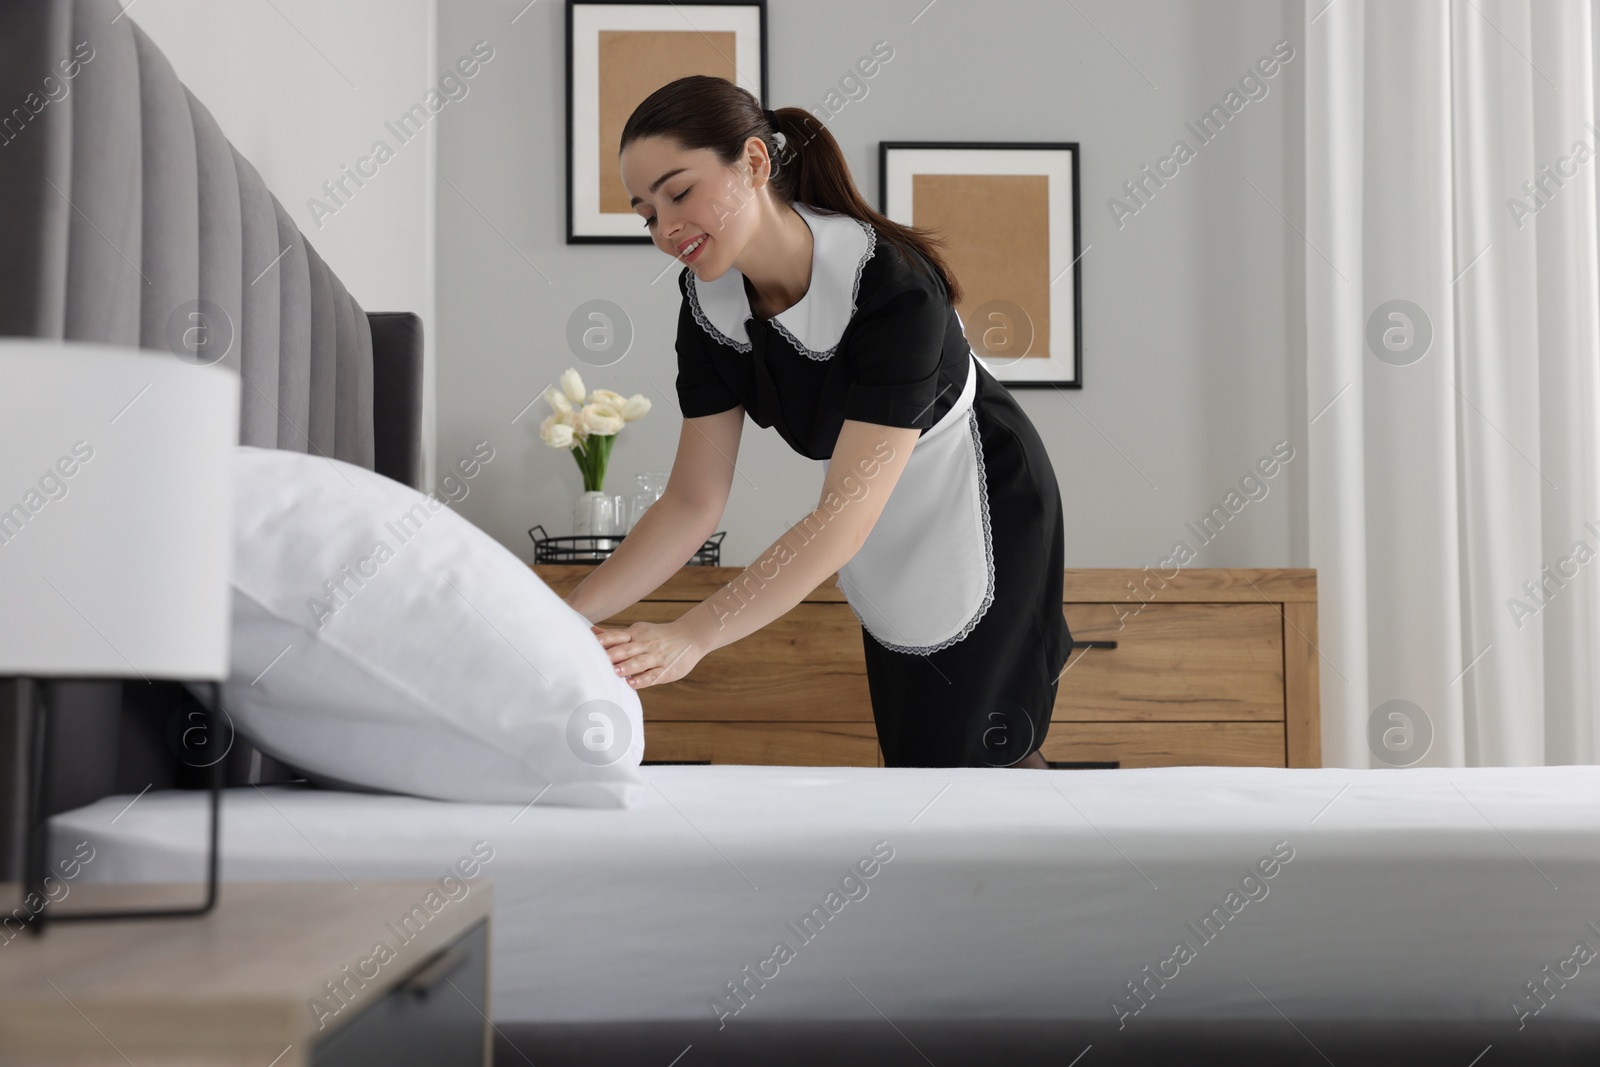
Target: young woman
(815, 315)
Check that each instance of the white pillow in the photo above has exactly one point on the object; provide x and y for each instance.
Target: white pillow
(381, 641)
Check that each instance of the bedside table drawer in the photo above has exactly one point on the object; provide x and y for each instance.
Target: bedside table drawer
(433, 1018)
(805, 744)
(1175, 661)
(1167, 744)
(806, 665)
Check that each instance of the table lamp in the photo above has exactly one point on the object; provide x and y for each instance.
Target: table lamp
(116, 541)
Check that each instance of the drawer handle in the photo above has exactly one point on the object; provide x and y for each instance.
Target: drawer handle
(443, 963)
(1090, 644)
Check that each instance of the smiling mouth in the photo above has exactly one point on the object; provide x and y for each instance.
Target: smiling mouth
(693, 247)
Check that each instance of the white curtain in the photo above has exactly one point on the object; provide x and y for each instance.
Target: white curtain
(1454, 493)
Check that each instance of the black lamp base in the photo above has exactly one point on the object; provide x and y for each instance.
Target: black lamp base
(32, 709)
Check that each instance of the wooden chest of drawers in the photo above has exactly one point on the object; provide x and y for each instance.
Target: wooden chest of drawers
(1213, 666)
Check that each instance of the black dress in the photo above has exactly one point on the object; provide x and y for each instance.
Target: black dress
(958, 585)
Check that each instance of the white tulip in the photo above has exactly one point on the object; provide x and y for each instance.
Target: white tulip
(607, 397)
(602, 419)
(554, 433)
(572, 385)
(635, 407)
(557, 400)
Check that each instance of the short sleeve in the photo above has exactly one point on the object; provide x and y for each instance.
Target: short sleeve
(896, 348)
(701, 390)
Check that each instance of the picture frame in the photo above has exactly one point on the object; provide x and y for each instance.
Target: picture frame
(618, 53)
(1010, 214)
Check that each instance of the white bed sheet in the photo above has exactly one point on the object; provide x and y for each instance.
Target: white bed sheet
(1417, 894)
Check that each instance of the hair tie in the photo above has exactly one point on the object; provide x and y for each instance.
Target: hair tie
(779, 138)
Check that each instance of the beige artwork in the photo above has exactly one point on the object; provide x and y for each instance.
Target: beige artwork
(997, 233)
(634, 64)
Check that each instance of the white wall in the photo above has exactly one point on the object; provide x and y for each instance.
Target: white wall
(1191, 367)
(304, 88)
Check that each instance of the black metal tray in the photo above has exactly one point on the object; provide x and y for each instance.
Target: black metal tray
(593, 548)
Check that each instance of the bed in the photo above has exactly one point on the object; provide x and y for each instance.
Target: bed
(1404, 914)
(1420, 916)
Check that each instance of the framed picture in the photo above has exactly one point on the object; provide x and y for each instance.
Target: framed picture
(617, 55)
(1008, 212)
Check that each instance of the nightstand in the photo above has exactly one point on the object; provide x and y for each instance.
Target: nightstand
(279, 974)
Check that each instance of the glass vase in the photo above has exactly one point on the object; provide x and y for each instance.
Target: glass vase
(598, 514)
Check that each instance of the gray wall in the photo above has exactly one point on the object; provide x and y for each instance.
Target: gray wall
(1193, 371)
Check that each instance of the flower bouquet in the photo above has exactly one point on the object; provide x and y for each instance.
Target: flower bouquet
(588, 424)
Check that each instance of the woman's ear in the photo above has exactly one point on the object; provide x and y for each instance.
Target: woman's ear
(755, 155)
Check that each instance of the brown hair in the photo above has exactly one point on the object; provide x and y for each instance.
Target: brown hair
(705, 112)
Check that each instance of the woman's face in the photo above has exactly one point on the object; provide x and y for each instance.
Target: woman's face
(698, 200)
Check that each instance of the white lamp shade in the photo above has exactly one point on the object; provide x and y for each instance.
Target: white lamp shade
(116, 512)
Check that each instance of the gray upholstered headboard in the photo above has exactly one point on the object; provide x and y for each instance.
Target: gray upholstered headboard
(121, 204)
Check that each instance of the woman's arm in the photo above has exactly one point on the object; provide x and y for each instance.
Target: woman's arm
(676, 526)
(667, 535)
(867, 462)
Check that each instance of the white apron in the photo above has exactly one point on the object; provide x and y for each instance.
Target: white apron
(925, 574)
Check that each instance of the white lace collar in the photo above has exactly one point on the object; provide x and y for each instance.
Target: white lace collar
(841, 246)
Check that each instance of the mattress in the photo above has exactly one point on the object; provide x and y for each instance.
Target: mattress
(1419, 894)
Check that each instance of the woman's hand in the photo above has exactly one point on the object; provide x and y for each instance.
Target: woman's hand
(650, 653)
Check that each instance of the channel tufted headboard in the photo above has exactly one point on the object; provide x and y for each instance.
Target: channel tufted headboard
(123, 207)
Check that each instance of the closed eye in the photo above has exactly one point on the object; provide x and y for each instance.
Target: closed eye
(677, 199)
